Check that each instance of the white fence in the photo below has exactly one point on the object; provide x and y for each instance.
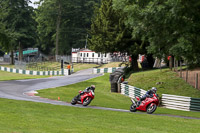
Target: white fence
(181, 102)
(131, 91)
(28, 72)
(105, 70)
(176, 102)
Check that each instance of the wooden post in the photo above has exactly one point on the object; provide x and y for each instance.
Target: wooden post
(196, 83)
(12, 58)
(160, 64)
(170, 63)
(174, 64)
(20, 56)
(180, 69)
(58, 22)
(186, 75)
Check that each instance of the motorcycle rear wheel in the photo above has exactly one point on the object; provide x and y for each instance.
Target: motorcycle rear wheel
(151, 109)
(133, 108)
(87, 101)
(73, 102)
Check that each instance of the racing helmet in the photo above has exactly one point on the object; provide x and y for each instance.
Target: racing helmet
(93, 87)
(154, 89)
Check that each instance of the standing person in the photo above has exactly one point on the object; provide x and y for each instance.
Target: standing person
(68, 67)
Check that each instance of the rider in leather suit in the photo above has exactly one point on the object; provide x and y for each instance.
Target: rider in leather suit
(92, 88)
(149, 93)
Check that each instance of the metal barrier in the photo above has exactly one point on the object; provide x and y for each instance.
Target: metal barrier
(20, 65)
(176, 102)
(131, 91)
(105, 70)
(181, 102)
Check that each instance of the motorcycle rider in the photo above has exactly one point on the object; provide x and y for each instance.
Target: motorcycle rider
(88, 89)
(149, 93)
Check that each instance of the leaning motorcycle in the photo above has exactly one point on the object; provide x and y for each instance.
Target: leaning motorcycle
(149, 105)
(84, 99)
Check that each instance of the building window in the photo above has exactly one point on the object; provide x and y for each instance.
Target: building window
(81, 54)
(99, 54)
(92, 54)
(87, 54)
(84, 54)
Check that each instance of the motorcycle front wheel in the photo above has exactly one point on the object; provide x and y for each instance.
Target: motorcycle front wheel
(133, 108)
(151, 108)
(87, 101)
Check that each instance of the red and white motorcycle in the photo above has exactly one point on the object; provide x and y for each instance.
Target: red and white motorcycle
(149, 105)
(84, 99)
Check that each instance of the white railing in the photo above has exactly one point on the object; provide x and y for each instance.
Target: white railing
(176, 102)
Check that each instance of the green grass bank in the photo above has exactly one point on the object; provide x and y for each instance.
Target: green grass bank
(23, 117)
(165, 80)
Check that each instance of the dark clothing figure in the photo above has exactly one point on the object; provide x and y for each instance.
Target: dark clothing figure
(149, 93)
(88, 89)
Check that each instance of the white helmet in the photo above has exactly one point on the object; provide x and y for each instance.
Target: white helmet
(93, 87)
(154, 89)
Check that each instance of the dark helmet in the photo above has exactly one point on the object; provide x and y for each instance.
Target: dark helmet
(93, 87)
(154, 89)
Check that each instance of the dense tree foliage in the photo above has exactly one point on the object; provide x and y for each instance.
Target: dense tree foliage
(158, 27)
(110, 34)
(63, 23)
(3, 37)
(18, 23)
(170, 26)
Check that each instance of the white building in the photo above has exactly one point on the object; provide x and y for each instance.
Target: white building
(88, 56)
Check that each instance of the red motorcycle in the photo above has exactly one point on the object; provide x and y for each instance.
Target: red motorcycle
(149, 105)
(84, 99)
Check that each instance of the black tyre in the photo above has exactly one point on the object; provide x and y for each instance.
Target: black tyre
(133, 108)
(74, 101)
(87, 101)
(151, 109)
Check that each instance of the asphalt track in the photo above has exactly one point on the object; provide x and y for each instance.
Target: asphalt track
(24, 90)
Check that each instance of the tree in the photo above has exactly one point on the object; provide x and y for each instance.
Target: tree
(3, 36)
(19, 24)
(170, 26)
(64, 24)
(110, 34)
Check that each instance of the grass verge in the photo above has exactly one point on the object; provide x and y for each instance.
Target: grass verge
(22, 116)
(15, 76)
(165, 80)
(82, 66)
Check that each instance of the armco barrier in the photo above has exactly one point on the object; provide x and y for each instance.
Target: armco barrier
(105, 70)
(181, 102)
(131, 91)
(28, 72)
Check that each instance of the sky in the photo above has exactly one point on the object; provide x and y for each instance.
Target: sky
(35, 6)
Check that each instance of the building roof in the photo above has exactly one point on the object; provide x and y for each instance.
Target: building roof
(86, 50)
(81, 50)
